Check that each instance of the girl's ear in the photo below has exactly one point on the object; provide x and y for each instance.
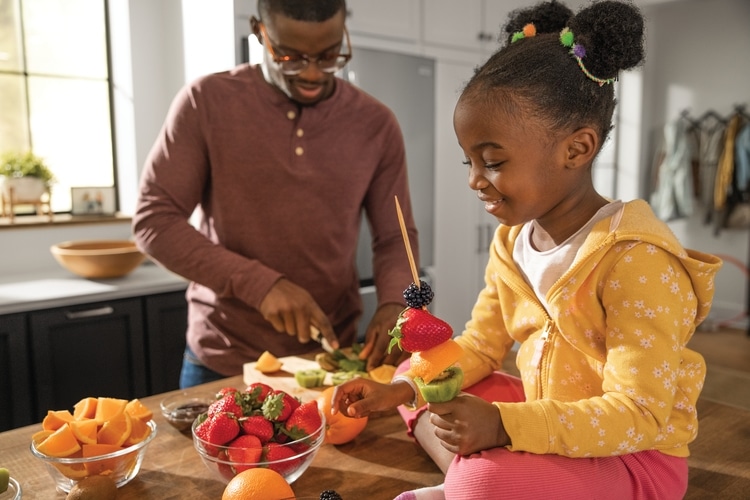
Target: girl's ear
(582, 146)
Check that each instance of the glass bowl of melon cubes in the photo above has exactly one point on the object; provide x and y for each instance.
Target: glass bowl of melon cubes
(101, 436)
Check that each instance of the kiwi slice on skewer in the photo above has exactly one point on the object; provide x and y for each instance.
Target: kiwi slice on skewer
(442, 388)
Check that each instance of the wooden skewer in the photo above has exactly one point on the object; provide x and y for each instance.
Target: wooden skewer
(405, 235)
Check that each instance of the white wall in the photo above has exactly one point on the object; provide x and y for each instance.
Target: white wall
(698, 58)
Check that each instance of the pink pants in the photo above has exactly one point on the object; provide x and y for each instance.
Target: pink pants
(500, 473)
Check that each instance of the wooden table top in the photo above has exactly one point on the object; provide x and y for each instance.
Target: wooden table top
(379, 464)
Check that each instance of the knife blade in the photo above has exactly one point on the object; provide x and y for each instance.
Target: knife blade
(318, 337)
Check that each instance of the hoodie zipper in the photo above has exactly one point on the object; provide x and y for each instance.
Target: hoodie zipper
(538, 359)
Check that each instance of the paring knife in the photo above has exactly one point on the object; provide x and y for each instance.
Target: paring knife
(318, 337)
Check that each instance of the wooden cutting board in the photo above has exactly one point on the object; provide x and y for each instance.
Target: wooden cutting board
(284, 378)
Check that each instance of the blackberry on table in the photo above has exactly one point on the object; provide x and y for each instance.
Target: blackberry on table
(330, 495)
(417, 297)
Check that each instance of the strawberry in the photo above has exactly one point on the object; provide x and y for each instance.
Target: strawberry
(222, 428)
(227, 404)
(258, 426)
(417, 330)
(243, 451)
(224, 391)
(256, 393)
(279, 405)
(303, 421)
(280, 458)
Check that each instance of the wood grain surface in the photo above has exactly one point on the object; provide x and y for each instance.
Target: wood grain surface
(379, 464)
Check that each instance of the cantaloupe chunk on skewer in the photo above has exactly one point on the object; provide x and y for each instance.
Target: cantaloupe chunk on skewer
(430, 363)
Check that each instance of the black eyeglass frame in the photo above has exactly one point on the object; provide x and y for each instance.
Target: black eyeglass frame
(339, 60)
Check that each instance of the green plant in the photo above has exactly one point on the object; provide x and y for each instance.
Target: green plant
(14, 165)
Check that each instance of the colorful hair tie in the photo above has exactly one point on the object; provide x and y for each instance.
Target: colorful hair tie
(527, 32)
(578, 52)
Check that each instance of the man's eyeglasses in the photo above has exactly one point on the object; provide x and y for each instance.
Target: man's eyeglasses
(329, 62)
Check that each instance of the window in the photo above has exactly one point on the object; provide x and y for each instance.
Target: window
(55, 90)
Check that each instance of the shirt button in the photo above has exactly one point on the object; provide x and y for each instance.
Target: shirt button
(291, 115)
(300, 132)
(299, 151)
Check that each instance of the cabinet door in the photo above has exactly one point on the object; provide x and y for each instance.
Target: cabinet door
(388, 18)
(454, 24)
(92, 350)
(166, 323)
(15, 396)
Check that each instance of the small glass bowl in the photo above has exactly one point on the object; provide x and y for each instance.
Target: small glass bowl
(182, 408)
(13, 492)
(224, 469)
(122, 466)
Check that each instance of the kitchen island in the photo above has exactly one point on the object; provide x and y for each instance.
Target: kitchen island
(379, 464)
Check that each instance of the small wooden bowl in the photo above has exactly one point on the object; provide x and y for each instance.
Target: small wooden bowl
(98, 259)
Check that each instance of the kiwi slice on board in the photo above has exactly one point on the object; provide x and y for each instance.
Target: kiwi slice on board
(442, 388)
(341, 376)
(310, 378)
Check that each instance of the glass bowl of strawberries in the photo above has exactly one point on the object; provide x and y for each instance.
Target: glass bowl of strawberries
(258, 427)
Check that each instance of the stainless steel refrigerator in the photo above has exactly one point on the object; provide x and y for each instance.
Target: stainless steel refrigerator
(406, 84)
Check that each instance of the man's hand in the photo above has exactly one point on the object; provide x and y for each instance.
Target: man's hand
(291, 309)
(377, 338)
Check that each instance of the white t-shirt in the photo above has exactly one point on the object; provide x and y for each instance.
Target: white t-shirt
(542, 268)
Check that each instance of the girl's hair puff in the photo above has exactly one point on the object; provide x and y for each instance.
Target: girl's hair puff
(539, 75)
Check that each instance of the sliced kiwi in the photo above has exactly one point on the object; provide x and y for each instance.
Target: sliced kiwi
(442, 388)
(340, 377)
(310, 378)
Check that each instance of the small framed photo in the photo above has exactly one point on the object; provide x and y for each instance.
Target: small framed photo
(93, 200)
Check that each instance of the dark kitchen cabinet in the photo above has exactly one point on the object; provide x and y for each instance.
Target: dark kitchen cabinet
(166, 322)
(15, 375)
(95, 349)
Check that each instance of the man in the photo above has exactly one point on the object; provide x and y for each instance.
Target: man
(279, 159)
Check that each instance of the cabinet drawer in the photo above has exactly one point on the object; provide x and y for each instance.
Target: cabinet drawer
(93, 350)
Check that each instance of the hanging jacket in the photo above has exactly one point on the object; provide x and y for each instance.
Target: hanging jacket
(673, 195)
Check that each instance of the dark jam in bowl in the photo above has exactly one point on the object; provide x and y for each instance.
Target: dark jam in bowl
(183, 416)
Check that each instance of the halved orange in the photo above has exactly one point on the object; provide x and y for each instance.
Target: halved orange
(383, 373)
(428, 364)
(138, 410)
(115, 430)
(85, 408)
(108, 408)
(55, 419)
(138, 432)
(61, 443)
(85, 430)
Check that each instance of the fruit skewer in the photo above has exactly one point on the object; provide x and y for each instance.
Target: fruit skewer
(426, 337)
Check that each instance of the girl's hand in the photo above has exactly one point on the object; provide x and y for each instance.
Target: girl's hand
(359, 397)
(468, 424)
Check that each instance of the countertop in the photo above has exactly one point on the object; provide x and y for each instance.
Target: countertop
(378, 464)
(59, 288)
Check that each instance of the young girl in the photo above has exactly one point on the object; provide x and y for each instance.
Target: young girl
(599, 293)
